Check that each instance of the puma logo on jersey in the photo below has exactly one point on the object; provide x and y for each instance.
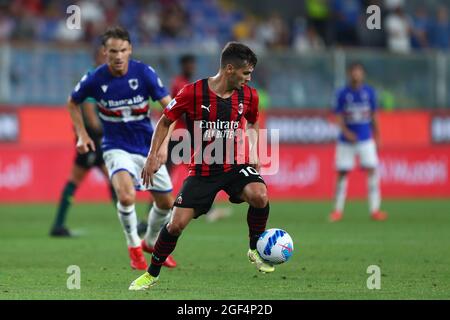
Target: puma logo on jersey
(104, 87)
(206, 107)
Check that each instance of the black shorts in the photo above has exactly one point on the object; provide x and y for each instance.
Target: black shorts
(199, 192)
(90, 159)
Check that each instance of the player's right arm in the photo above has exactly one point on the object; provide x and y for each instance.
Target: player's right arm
(172, 112)
(163, 150)
(153, 162)
(349, 135)
(84, 142)
(252, 116)
(340, 120)
(79, 94)
(90, 116)
(159, 93)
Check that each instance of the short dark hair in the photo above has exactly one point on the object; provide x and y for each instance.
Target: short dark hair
(355, 64)
(237, 54)
(116, 32)
(187, 58)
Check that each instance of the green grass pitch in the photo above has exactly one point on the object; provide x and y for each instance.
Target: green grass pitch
(330, 261)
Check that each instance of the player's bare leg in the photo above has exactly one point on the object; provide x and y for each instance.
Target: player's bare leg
(112, 192)
(165, 245)
(216, 213)
(124, 187)
(374, 197)
(255, 194)
(340, 195)
(158, 217)
(77, 175)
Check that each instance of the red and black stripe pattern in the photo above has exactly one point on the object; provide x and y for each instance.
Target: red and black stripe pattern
(212, 108)
(163, 248)
(256, 220)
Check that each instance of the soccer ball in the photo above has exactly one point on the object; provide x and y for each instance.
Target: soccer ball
(275, 246)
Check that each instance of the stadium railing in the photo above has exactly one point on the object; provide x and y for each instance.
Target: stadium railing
(47, 74)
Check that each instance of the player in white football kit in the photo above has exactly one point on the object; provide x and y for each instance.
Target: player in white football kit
(122, 88)
(355, 110)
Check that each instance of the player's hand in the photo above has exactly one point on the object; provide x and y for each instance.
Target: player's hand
(85, 144)
(162, 154)
(377, 141)
(151, 166)
(351, 136)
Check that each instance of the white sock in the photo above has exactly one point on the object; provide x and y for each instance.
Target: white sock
(373, 187)
(157, 218)
(128, 219)
(341, 193)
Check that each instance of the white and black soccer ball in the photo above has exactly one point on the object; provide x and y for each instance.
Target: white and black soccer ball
(275, 246)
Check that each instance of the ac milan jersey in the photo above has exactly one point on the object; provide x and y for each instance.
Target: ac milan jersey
(356, 106)
(217, 122)
(123, 104)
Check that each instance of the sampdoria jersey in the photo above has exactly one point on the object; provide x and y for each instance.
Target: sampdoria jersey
(123, 104)
(356, 106)
(212, 119)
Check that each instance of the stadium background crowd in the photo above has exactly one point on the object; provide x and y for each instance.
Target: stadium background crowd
(309, 41)
(306, 25)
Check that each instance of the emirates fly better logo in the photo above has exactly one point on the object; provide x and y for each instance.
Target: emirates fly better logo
(224, 142)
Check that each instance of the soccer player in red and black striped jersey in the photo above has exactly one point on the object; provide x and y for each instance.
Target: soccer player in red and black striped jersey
(215, 110)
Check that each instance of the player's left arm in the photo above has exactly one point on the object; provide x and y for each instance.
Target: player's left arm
(375, 128)
(374, 115)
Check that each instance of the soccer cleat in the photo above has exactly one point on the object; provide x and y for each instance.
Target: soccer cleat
(254, 257)
(170, 261)
(379, 216)
(336, 216)
(60, 232)
(143, 282)
(137, 259)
